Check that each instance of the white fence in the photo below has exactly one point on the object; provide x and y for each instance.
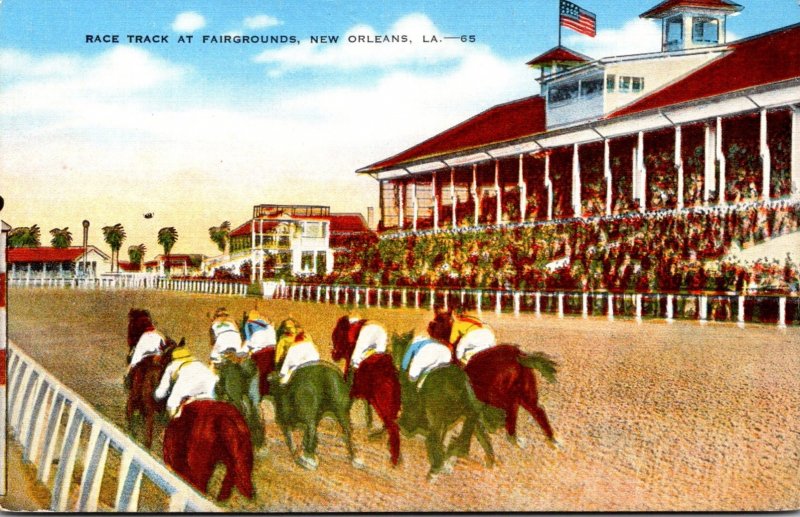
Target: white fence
(37, 404)
(134, 282)
(702, 307)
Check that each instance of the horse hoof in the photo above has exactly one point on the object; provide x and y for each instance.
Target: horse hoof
(307, 463)
(432, 476)
(522, 443)
(555, 445)
(358, 463)
(449, 465)
(376, 434)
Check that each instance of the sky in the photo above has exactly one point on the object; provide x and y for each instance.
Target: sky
(197, 132)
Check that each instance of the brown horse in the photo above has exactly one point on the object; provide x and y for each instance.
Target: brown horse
(207, 432)
(375, 381)
(265, 361)
(144, 378)
(501, 377)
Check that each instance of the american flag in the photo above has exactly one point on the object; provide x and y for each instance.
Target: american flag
(578, 19)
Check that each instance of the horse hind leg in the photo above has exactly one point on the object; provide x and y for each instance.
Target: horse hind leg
(343, 417)
(530, 402)
(307, 458)
(435, 447)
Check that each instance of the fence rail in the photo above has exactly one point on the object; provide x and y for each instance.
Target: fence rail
(132, 282)
(37, 405)
(702, 307)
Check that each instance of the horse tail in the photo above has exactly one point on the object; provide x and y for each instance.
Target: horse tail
(542, 362)
(235, 434)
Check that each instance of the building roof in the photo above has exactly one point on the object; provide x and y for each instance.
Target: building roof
(559, 54)
(668, 6)
(348, 223)
(501, 123)
(744, 66)
(129, 266)
(49, 254)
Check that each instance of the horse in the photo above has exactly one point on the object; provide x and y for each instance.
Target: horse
(502, 377)
(445, 398)
(375, 381)
(313, 391)
(144, 378)
(238, 385)
(207, 432)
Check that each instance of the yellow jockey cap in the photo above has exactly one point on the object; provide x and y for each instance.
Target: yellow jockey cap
(182, 352)
(254, 315)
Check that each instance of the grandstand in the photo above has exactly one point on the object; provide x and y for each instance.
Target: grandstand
(651, 172)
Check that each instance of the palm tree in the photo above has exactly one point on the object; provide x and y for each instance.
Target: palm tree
(136, 254)
(167, 237)
(114, 237)
(24, 237)
(62, 237)
(219, 234)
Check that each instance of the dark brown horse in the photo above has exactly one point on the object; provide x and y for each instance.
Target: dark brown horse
(502, 377)
(207, 432)
(375, 381)
(144, 378)
(265, 361)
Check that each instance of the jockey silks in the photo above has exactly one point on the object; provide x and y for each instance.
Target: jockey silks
(150, 343)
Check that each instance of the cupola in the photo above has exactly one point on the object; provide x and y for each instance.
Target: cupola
(556, 60)
(688, 24)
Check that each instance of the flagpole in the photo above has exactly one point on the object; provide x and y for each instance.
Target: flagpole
(559, 23)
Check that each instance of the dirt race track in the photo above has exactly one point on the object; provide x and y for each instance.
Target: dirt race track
(651, 416)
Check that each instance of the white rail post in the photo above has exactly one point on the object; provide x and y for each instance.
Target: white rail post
(446, 296)
(638, 307)
(782, 312)
(404, 298)
(516, 304)
(670, 312)
(66, 463)
(703, 309)
(740, 311)
(560, 306)
(356, 297)
(610, 298)
(538, 305)
(378, 297)
(416, 299)
(94, 465)
(327, 294)
(34, 438)
(390, 299)
(463, 296)
(53, 424)
(129, 484)
(585, 305)
(498, 305)
(478, 301)
(336, 295)
(432, 294)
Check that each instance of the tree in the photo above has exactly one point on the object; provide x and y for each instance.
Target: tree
(136, 254)
(114, 237)
(220, 236)
(167, 237)
(62, 237)
(24, 237)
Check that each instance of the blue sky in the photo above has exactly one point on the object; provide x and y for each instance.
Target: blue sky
(198, 133)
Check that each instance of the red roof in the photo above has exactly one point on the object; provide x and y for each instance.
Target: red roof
(245, 229)
(745, 66)
(129, 266)
(44, 254)
(664, 7)
(559, 54)
(348, 223)
(501, 123)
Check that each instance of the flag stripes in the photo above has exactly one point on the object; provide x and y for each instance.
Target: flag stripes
(578, 19)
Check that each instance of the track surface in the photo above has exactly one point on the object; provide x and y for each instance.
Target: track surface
(651, 416)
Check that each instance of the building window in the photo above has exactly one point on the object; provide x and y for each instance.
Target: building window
(629, 84)
(610, 82)
(624, 84)
(705, 30)
(674, 33)
(591, 87)
(637, 84)
(313, 230)
(563, 93)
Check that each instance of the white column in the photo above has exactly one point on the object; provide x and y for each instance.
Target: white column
(721, 160)
(642, 183)
(708, 163)
(670, 309)
(414, 205)
(498, 193)
(576, 182)
(516, 304)
(703, 301)
(766, 161)
(523, 191)
(608, 176)
(474, 191)
(679, 165)
(435, 202)
(453, 198)
(585, 305)
(740, 310)
(402, 212)
(782, 312)
(252, 251)
(261, 251)
(638, 297)
(795, 143)
(610, 301)
(561, 305)
(549, 186)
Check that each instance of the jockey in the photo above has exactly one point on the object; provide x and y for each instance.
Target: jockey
(258, 332)
(370, 338)
(294, 349)
(185, 378)
(423, 355)
(150, 343)
(224, 334)
(469, 336)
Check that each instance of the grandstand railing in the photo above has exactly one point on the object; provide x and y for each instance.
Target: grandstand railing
(37, 405)
(132, 282)
(704, 307)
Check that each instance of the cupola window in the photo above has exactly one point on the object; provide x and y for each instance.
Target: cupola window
(705, 30)
(674, 33)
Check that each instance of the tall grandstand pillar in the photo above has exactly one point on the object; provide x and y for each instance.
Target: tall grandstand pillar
(498, 193)
(549, 186)
(642, 182)
(766, 162)
(401, 203)
(679, 165)
(608, 176)
(708, 163)
(252, 251)
(414, 205)
(435, 202)
(795, 157)
(523, 190)
(4, 229)
(474, 192)
(720, 155)
(576, 182)
(453, 198)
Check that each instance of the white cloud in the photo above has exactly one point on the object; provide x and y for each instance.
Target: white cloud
(635, 37)
(347, 56)
(261, 21)
(188, 22)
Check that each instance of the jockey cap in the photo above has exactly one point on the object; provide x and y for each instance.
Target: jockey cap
(254, 315)
(181, 353)
(221, 312)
